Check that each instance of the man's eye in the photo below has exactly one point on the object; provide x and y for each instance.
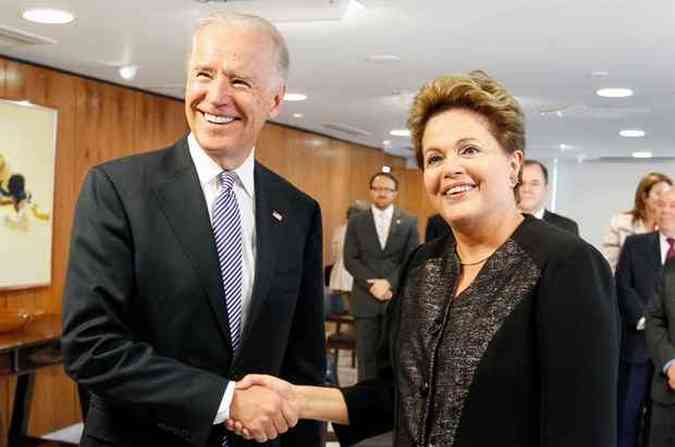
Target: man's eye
(240, 83)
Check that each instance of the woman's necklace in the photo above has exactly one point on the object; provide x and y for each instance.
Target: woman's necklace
(479, 261)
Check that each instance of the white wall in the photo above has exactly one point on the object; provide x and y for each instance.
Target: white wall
(591, 192)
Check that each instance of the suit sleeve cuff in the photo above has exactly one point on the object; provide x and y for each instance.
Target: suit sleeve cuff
(224, 409)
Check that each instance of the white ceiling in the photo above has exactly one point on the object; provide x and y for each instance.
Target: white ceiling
(546, 52)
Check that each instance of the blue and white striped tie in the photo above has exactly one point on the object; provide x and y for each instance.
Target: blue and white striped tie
(227, 233)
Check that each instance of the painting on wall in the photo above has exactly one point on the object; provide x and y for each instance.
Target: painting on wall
(27, 157)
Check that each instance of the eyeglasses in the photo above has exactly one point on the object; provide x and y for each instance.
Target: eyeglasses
(382, 189)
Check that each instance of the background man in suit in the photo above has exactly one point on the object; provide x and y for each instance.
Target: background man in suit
(376, 246)
(660, 333)
(532, 196)
(194, 265)
(637, 274)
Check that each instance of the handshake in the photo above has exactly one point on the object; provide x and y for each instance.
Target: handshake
(263, 407)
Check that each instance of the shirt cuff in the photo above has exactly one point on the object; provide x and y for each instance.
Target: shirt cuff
(641, 324)
(668, 365)
(224, 409)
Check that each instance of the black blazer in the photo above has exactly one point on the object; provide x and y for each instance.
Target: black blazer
(660, 333)
(561, 222)
(637, 274)
(144, 318)
(547, 376)
(365, 259)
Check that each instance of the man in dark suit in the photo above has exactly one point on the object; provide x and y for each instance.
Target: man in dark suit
(532, 196)
(436, 227)
(193, 266)
(660, 334)
(377, 244)
(637, 274)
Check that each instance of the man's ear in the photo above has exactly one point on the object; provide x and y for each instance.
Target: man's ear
(277, 100)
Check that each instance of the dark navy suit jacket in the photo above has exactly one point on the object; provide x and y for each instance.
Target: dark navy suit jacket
(637, 275)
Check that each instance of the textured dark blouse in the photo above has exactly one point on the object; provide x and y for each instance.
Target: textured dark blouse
(526, 356)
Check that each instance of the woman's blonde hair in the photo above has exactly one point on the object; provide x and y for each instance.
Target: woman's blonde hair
(475, 91)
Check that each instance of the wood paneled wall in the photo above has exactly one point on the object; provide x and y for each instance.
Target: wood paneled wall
(99, 121)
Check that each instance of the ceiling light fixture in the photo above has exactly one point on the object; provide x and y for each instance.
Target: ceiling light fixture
(383, 59)
(298, 115)
(386, 143)
(632, 133)
(642, 154)
(614, 92)
(48, 16)
(291, 97)
(400, 132)
(128, 72)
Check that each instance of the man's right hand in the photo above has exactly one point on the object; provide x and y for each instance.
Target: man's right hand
(265, 412)
(670, 374)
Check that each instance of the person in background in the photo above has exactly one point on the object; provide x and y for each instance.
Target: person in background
(532, 193)
(436, 227)
(377, 243)
(637, 274)
(504, 335)
(642, 218)
(341, 281)
(660, 334)
(194, 265)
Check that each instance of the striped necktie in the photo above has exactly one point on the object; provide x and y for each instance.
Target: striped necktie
(227, 233)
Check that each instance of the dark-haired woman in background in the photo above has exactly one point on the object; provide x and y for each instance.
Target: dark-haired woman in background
(641, 219)
(503, 335)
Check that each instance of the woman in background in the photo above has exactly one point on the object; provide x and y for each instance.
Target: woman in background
(341, 281)
(641, 219)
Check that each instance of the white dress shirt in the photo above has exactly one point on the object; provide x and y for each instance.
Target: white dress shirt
(539, 214)
(244, 190)
(382, 222)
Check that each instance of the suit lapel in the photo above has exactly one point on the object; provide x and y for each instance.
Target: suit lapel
(270, 217)
(181, 199)
(371, 228)
(393, 226)
(654, 254)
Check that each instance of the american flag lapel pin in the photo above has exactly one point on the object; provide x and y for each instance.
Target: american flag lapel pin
(277, 216)
(398, 221)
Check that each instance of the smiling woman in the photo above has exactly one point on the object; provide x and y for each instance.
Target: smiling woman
(504, 334)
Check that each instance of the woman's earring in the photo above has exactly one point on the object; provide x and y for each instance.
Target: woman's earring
(514, 181)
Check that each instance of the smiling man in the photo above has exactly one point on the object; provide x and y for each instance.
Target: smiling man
(532, 192)
(195, 265)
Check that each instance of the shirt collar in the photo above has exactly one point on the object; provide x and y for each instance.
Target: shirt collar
(387, 212)
(539, 214)
(208, 169)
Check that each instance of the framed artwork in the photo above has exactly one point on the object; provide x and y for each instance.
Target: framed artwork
(27, 158)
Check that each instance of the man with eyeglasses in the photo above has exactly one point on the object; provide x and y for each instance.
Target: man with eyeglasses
(376, 246)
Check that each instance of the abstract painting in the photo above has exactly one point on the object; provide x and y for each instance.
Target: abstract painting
(27, 154)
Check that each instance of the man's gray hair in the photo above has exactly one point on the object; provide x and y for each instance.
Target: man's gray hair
(255, 23)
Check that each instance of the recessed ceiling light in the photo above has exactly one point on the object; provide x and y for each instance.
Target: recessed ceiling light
(128, 72)
(400, 133)
(614, 92)
(383, 59)
(294, 97)
(632, 133)
(386, 143)
(386, 168)
(565, 147)
(642, 154)
(49, 16)
(600, 74)
(298, 115)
